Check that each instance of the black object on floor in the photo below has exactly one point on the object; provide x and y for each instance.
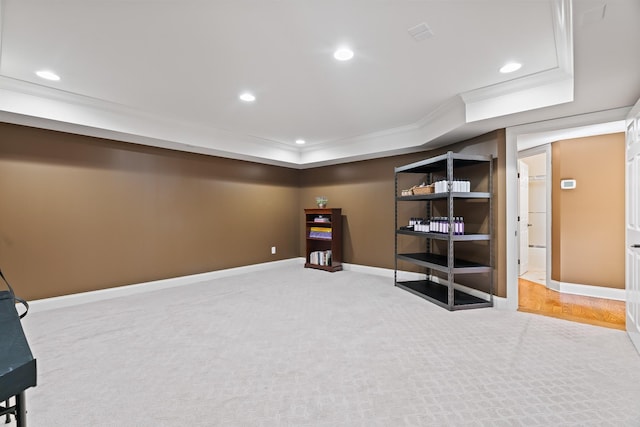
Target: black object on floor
(17, 365)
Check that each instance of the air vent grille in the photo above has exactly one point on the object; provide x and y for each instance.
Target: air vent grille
(420, 32)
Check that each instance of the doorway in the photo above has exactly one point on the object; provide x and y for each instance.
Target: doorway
(533, 136)
(537, 292)
(534, 196)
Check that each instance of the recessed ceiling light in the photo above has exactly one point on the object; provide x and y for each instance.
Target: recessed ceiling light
(510, 67)
(343, 54)
(300, 141)
(48, 75)
(247, 97)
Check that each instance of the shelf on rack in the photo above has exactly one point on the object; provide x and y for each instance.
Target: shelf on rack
(439, 262)
(444, 236)
(436, 196)
(439, 163)
(438, 294)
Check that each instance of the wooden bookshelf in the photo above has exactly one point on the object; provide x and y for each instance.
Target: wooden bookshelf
(318, 239)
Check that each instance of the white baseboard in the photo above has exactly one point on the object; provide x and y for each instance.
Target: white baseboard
(502, 303)
(375, 271)
(120, 291)
(588, 290)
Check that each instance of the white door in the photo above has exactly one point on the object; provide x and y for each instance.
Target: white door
(523, 226)
(632, 221)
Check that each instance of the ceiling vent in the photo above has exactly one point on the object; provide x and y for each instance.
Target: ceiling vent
(420, 32)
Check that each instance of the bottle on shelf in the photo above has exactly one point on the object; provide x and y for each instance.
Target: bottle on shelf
(440, 224)
(461, 186)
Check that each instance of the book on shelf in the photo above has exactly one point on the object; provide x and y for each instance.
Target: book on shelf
(321, 219)
(320, 257)
(320, 233)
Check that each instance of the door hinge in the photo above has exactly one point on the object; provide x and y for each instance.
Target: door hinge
(518, 262)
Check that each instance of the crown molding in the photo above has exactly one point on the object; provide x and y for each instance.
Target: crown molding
(534, 135)
(414, 137)
(40, 106)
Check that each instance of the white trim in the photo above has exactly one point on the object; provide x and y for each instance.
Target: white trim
(2, 11)
(563, 30)
(405, 139)
(121, 291)
(533, 141)
(511, 232)
(549, 196)
(588, 290)
(375, 271)
(546, 150)
(63, 301)
(30, 104)
(484, 103)
(501, 303)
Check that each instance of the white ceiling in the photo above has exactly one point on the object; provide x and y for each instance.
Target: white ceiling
(169, 72)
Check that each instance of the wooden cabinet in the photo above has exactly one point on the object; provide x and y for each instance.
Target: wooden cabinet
(323, 228)
(441, 229)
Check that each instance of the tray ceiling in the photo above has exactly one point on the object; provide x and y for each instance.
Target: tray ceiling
(169, 73)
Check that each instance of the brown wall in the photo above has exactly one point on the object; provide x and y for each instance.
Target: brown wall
(81, 213)
(365, 192)
(588, 222)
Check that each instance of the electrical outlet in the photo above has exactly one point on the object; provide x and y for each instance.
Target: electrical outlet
(273, 250)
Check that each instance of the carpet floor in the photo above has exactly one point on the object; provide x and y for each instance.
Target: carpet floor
(298, 347)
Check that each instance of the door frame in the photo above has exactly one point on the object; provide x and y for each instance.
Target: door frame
(534, 151)
(522, 137)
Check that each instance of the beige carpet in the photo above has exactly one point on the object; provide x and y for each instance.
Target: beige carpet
(297, 347)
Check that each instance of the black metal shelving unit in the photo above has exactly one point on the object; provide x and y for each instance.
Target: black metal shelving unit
(446, 293)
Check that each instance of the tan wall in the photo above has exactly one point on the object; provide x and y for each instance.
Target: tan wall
(365, 192)
(588, 222)
(82, 213)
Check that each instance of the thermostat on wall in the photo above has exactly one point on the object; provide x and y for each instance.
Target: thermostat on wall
(568, 184)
